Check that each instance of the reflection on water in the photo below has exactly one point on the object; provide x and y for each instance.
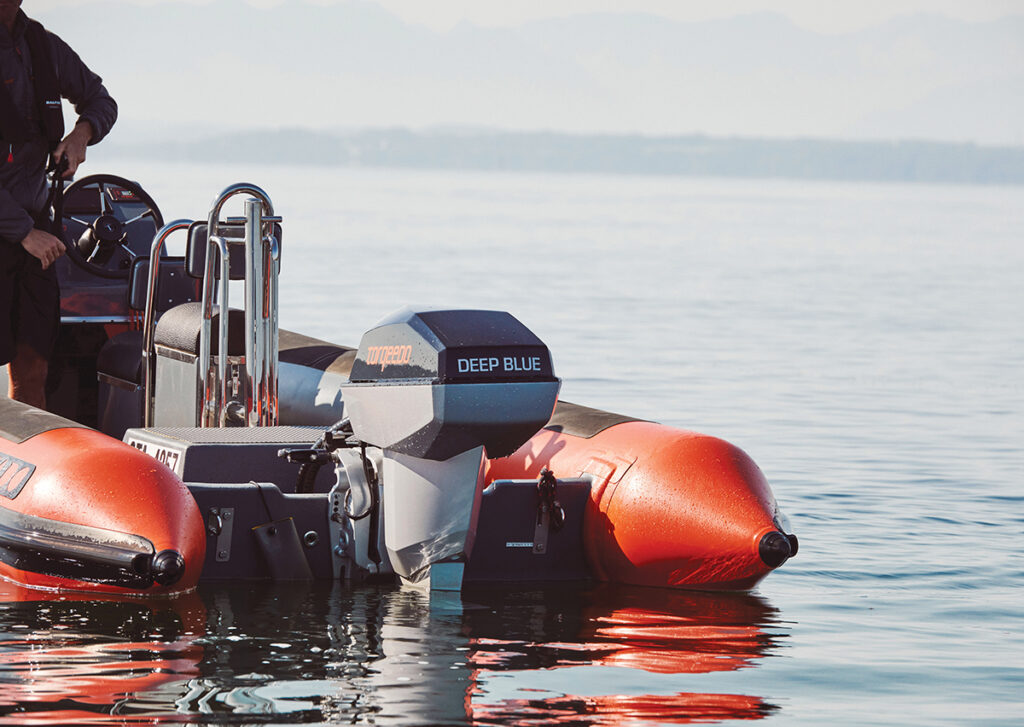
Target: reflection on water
(299, 654)
(658, 632)
(65, 660)
(624, 709)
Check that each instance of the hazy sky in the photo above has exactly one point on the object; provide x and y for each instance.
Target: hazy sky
(818, 15)
(839, 73)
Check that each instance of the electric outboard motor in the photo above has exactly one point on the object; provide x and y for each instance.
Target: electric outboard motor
(434, 390)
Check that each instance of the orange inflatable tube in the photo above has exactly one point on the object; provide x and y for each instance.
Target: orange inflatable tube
(667, 507)
(82, 511)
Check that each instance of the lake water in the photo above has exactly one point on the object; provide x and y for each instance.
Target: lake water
(864, 343)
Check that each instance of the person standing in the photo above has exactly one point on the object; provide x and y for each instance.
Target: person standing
(37, 69)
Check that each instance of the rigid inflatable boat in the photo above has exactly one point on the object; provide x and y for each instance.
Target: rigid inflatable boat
(191, 439)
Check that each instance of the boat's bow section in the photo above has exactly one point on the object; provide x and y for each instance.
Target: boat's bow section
(668, 507)
(80, 510)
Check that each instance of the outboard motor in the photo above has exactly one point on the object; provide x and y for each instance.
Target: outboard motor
(434, 390)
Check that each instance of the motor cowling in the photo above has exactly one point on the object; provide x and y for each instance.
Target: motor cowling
(435, 383)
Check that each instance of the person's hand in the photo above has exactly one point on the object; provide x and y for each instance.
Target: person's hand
(73, 146)
(43, 246)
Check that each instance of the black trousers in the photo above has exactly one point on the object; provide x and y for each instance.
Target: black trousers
(29, 303)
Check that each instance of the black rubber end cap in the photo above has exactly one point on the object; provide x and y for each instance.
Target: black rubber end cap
(774, 549)
(168, 567)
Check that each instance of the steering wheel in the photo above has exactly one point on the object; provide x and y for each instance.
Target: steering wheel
(108, 222)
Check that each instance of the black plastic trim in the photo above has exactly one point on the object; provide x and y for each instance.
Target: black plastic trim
(583, 421)
(19, 422)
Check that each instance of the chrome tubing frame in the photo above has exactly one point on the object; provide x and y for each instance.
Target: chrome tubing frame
(262, 265)
(148, 322)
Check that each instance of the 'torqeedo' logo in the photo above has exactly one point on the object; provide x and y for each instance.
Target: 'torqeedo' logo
(385, 356)
(14, 473)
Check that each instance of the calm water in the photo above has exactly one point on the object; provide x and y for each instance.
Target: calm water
(863, 343)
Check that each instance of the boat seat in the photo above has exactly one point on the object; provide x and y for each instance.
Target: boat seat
(310, 371)
(121, 356)
(179, 329)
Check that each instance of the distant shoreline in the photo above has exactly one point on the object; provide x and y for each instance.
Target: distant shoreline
(692, 155)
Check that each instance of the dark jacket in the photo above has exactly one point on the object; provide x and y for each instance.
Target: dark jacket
(23, 165)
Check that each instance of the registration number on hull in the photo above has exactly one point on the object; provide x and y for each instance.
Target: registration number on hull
(167, 455)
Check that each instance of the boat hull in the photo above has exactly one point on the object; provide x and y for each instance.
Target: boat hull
(647, 504)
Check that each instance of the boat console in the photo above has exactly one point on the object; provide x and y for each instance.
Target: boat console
(108, 224)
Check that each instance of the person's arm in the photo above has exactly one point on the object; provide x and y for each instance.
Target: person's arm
(16, 228)
(73, 146)
(97, 111)
(43, 246)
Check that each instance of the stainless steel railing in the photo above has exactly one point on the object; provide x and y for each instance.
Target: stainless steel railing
(225, 400)
(149, 319)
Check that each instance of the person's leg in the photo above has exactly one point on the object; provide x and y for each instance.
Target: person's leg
(35, 319)
(27, 374)
(7, 339)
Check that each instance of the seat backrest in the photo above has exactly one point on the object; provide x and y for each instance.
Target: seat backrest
(173, 286)
(195, 255)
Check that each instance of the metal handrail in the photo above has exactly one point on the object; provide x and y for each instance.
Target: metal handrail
(261, 325)
(149, 319)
